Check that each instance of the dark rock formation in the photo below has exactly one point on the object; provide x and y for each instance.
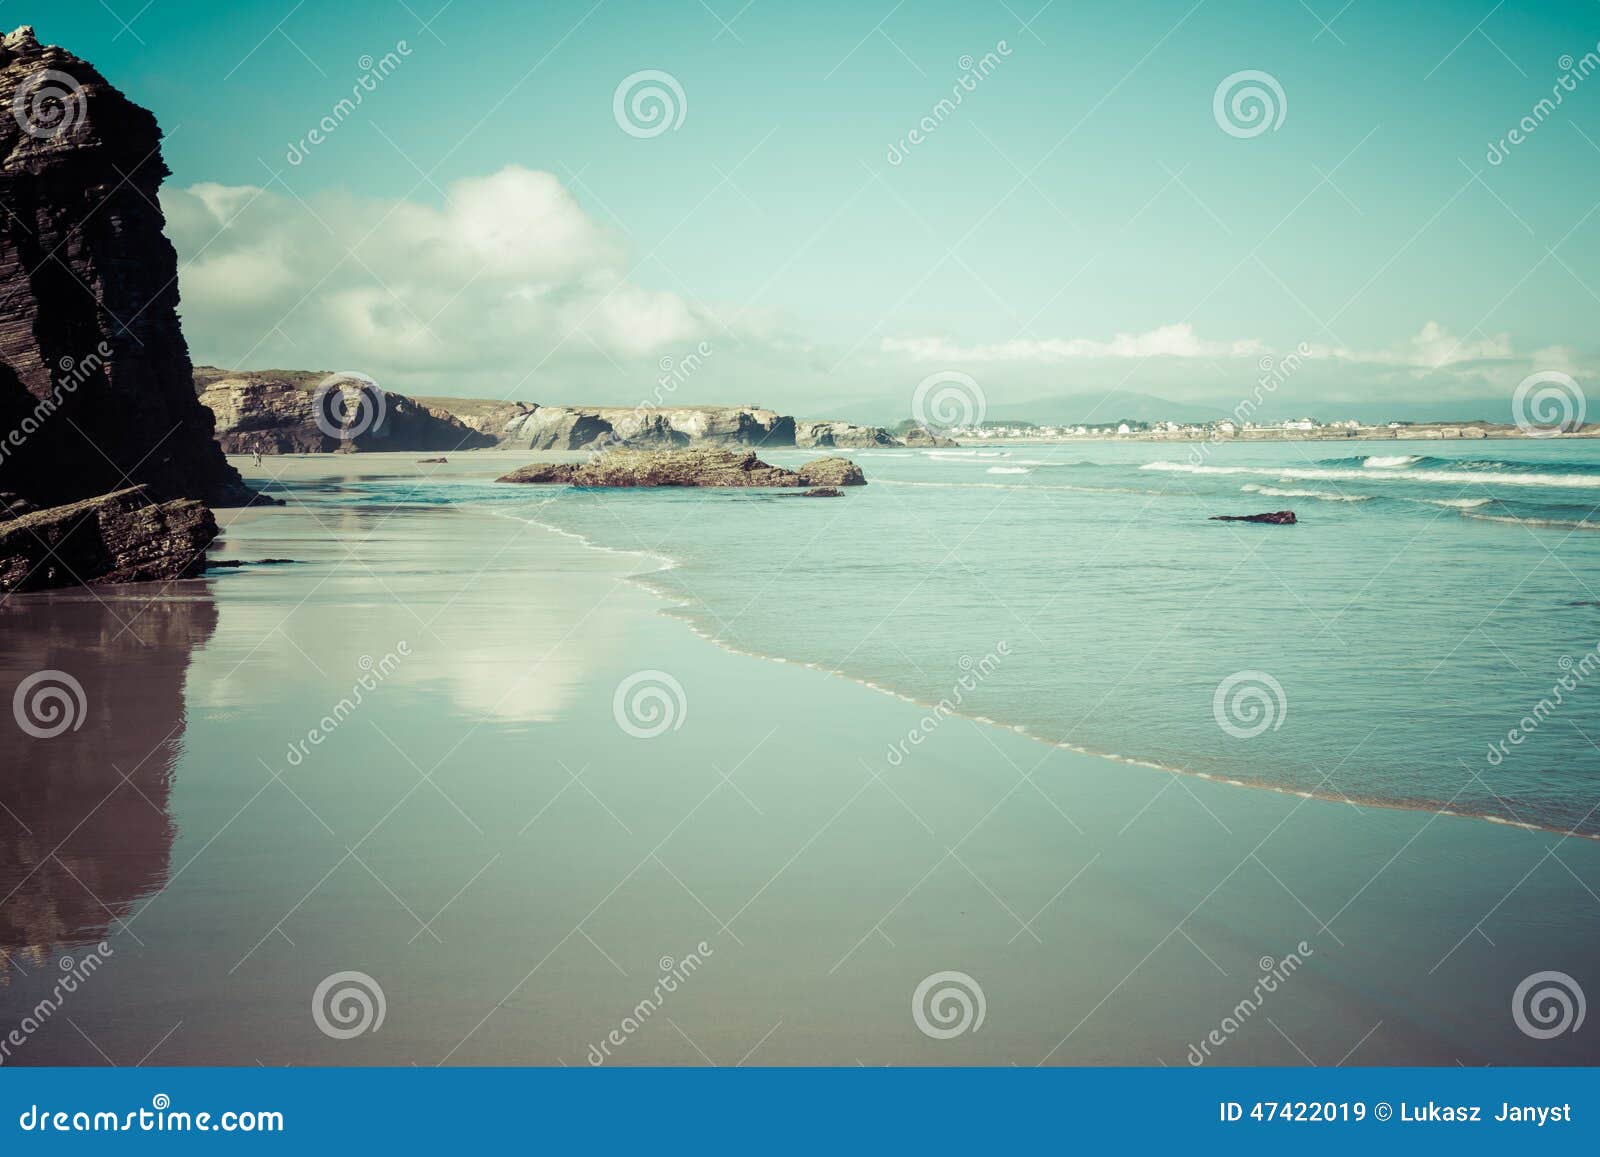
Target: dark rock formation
(1276, 518)
(708, 467)
(95, 381)
(277, 412)
(236, 563)
(824, 492)
(121, 537)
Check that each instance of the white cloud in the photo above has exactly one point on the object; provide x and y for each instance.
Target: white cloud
(1433, 347)
(510, 272)
(1173, 341)
(508, 287)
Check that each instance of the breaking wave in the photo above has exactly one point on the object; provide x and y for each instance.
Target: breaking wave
(1456, 477)
(1324, 495)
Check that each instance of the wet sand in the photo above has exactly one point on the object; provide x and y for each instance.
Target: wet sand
(518, 873)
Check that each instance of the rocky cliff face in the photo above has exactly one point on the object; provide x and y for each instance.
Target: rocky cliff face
(579, 428)
(272, 410)
(842, 434)
(278, 413)
(922, 436)
(95, 380)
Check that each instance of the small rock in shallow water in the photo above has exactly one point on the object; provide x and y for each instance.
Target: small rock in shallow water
(231, 563)
(1277, 518)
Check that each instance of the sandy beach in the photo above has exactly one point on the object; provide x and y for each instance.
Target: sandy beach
(519, 872)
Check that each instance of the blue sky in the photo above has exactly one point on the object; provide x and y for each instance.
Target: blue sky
(481, 224)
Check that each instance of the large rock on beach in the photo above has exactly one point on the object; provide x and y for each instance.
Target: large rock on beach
(123, 537)
(693, 467)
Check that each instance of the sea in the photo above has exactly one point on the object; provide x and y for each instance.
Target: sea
(1427, 635)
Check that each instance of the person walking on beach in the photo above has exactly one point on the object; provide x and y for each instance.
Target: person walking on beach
(258, 454)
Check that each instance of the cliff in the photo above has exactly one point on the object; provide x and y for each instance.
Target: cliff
(271, 410)
(277, 412)
(95, 381)
(843, 435)
(578, 428)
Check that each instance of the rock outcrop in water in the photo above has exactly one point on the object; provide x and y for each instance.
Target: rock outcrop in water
(1276, 518)
(921, 436)
(276, 412)
(122, 537)
(707, 467)
(96, 388)
(842, 435)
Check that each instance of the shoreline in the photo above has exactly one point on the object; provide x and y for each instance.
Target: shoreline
(1108, 917)
(675, 607)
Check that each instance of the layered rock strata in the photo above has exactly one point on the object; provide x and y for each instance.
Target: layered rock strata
(96, 389)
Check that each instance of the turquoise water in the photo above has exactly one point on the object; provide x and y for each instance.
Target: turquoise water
(1394, 647)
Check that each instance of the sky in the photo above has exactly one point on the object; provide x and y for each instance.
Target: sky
(811, 229)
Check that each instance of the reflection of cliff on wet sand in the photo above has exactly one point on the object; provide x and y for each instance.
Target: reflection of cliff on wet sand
(84, 829)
